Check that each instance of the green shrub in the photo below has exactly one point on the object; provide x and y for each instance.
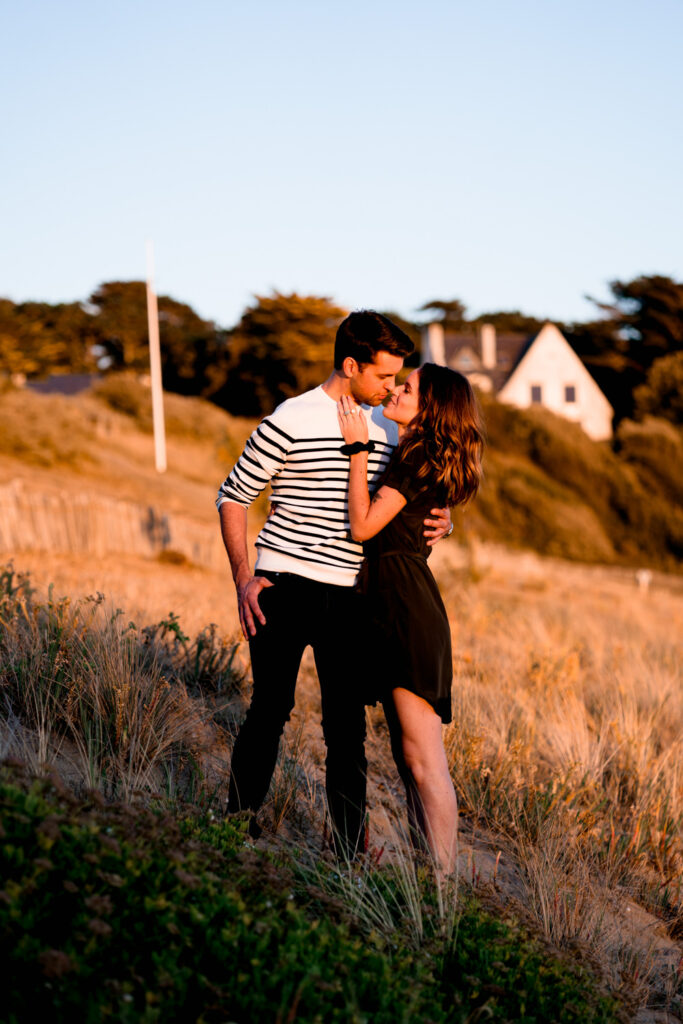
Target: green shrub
(110, 912)
(662, 392)
(125, 393)
(655, 450)
(521, 505)
(549, 487)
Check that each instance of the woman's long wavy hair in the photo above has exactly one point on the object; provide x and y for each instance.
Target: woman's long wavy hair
(447, 435)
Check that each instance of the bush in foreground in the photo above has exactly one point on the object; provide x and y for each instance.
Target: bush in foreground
(112, 912)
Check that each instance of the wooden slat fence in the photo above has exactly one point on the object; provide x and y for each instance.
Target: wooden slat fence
(60, 521)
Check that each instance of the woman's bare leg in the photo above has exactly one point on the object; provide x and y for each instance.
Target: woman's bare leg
(417, 829)
(425, 758)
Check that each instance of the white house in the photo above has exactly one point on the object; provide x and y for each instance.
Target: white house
(543, 370)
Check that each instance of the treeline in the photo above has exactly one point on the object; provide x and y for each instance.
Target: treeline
(283, 343)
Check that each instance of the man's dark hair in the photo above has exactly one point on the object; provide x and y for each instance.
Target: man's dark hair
(365, 333)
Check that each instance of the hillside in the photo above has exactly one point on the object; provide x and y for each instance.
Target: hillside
(565, 747)
(101, 441)
(550, 488)
(547, 487)
(565, 750)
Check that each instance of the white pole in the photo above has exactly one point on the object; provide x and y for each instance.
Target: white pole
(155, 366)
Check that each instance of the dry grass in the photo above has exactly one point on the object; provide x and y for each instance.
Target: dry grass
(567, 741)
(567, 747)
(567, 754)
(566, 751)
(147, 589)
(124, 710)
(83, 444)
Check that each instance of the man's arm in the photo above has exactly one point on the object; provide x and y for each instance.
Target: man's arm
(262, 459)
(438, 527)
(234, 532)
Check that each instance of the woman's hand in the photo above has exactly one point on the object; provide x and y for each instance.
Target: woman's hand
(352, 421)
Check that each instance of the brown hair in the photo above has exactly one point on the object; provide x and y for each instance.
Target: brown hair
(365, 333)
(447, 436)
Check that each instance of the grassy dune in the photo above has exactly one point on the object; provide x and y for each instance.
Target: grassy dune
(125, 895)
(102, 441)
(565, 749)
(547, 486)
(139, 916)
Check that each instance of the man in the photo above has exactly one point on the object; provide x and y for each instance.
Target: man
(301, 591)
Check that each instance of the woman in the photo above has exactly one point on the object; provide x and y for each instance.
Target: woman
(437, 462)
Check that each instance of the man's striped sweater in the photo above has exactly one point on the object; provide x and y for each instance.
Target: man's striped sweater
(297, 451)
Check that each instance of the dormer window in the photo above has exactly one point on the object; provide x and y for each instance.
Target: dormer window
(536, 394)
(570, 392)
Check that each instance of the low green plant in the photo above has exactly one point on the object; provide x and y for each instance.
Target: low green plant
(204, 664)
(114, 912)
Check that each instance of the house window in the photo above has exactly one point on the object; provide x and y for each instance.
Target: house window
(569, 393)
(536, 394)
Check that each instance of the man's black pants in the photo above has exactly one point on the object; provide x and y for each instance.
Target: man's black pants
(300, 612)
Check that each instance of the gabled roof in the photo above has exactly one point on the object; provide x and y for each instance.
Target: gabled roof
(550, 334)
(510, 349)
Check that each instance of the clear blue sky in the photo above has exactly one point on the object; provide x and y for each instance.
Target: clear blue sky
(383, 153)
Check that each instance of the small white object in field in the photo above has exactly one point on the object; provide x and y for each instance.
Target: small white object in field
(643, 579)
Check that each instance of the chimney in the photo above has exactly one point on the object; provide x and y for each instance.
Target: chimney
(488, 346)
(432, 344)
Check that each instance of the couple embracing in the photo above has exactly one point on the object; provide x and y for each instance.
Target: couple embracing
(345, 470)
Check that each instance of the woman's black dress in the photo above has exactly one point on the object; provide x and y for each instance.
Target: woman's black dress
(410, 626)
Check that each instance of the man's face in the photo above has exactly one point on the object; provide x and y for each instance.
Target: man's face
(372, 382)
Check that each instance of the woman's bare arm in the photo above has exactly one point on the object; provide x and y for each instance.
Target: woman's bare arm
(366, 516)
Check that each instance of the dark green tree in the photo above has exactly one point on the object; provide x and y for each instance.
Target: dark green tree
(37, 338)
(451, 312)
(511, 321)
(193, 351)
(119, 311)
(662, 393)
(648, 312)
(642, 323)
(283, 345)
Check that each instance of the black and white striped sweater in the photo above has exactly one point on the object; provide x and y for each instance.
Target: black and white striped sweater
(297, 450)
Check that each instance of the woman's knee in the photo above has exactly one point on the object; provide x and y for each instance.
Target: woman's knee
(416, 759)
(425, 762)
